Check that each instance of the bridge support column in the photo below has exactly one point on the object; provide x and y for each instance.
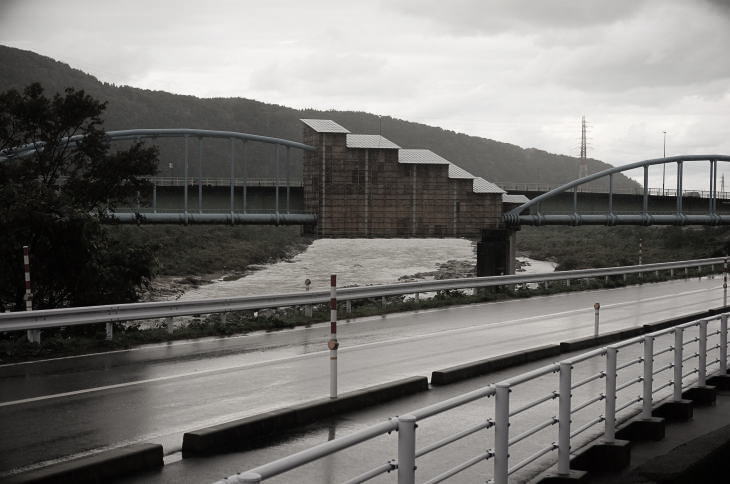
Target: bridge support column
(496, 252)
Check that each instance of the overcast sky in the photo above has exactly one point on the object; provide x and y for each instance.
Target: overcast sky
(518, 71)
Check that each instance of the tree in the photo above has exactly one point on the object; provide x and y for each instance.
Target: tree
(55, 198)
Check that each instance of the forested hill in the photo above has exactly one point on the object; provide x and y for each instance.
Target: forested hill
(130, 107)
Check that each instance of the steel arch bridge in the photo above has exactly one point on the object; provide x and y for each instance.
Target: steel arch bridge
(530, 213)
(190, 214)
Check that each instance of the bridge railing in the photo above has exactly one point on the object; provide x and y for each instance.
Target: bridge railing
(48, 318)
(656, 367)
(588, 188)
(179, 181)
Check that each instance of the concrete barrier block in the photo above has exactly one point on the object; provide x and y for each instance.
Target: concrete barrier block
(573, 477)
(100, 467)
(674, 411)
(652, 428)
(721, 382)
(250, 432)
(603, 457)
(482, 367)
(603, 339)
(701, 395)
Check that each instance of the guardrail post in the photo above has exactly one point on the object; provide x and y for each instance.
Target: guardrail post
(648, 397)
(596, 309)
(564, 419)
(610, 427)
(348, 306)
(109, 331)
(406, 449)
(723, 344)
(678, 347)
(332, 344)
(501, 434)
(702, 363)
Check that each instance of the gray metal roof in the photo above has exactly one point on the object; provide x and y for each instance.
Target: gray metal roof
(483, 186)
(370, 141)
(324, 126)
(460, 173)
(422, 156)
(507, 198)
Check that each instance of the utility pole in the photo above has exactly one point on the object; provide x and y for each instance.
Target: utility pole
(664, 166)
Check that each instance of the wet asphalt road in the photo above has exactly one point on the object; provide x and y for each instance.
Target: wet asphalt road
(55, 409)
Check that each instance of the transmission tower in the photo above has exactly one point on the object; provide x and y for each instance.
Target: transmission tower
(583, 162)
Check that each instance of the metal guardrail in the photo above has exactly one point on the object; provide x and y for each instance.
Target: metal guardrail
(48, 318)
(505, 418)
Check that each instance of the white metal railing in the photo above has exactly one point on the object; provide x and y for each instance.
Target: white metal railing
(47, 318)
(612, 404)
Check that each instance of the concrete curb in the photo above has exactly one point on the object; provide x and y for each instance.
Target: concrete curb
(249, 432)
(482, 367)
(97, 468)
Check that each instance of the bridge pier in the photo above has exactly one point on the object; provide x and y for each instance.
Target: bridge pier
(496, 252)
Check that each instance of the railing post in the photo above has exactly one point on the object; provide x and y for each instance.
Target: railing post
(501, 434)
(723, 344)
(596, 308)
(648, 397)
(678, 347)
(406, 449)
(332, 344)
(564, 419)
(610, 427)
(702, 363)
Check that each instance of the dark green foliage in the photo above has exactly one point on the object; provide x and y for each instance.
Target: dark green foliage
(139, 108)
(587, 247)
(200, 250)
(53, 200)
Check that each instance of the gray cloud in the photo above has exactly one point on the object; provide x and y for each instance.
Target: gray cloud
(514, 70)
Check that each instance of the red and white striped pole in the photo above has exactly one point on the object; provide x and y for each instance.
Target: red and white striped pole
(33, 335)
(332, 344)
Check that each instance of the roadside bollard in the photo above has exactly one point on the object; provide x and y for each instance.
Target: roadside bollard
(332, 344)
(596, 309)
(724, 283)
(33, 335)
(308, 307)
